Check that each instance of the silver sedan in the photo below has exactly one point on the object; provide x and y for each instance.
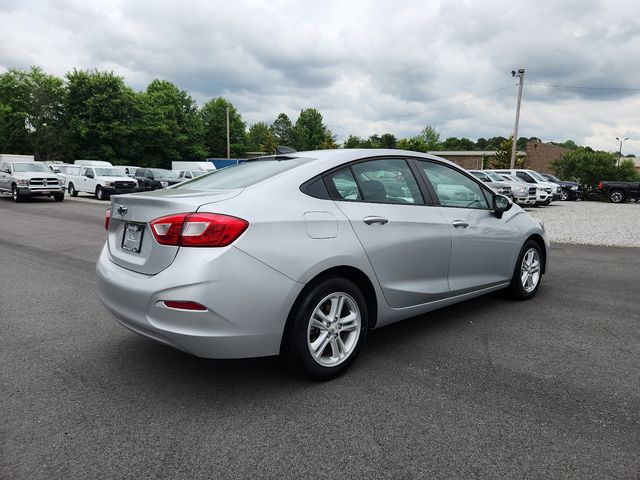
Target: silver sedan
(300, 254)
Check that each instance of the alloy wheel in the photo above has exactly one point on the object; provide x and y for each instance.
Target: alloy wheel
(530, 270)
(564, 195)
(616, 197)
(334, 329)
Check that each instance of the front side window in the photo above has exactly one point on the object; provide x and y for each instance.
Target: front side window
(453, 188)
(526, 177)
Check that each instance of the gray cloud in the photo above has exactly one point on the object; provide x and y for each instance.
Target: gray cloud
(368, 66)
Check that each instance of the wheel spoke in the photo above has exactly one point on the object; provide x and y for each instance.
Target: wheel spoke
(334, 307)
(319, 313)
(320, 344)
(341, 346)
(524, 279)
(318, 324)
(348, 319)
(335, 349)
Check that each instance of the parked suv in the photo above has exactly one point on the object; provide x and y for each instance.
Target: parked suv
(534, 178)
(156, 178)
(101, 182)
(570, 190)
(29, 179)
(521, 193)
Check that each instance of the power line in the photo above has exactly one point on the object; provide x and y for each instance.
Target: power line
(580, 87)
(442, 107)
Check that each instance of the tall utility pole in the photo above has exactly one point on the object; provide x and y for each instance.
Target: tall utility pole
(621, 140)
(228, 136)
(520, 74)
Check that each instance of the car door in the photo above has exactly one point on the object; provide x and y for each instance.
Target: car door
(88, 180)
(5, 176)
(407, 241)
(482, 245)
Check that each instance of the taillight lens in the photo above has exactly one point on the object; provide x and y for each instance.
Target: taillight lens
(198, 229)
(107, 218)
(600, 186)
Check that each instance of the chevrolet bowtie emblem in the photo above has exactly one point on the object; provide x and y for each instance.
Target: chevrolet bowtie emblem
(122, 210)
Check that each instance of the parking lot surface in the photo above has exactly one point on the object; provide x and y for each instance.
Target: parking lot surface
(489, 388)
(592, 223)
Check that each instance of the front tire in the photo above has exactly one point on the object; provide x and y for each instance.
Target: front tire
(527, 274)
(565, 195)
(15, 194)
(100, 195)
(59, 197)
(72, 190)
(325, 329)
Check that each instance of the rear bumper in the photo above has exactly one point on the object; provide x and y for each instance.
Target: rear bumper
(247, 302)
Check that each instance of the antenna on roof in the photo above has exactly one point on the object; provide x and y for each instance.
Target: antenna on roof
(282, 150)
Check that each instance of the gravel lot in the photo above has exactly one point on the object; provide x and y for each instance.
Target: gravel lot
(591, 223)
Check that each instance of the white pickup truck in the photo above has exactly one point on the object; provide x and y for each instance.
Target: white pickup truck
(101, 182)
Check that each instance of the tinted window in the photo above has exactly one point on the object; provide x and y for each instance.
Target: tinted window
(344, 185)
(242, 175)
(524, 176)
(387, 181)
(453, 188)
(316, 188)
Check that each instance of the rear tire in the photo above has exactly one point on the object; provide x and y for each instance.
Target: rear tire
(527, 274)
(72, 190)
(329, 319)
(617, 196)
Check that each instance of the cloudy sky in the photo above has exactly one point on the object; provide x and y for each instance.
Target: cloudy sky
(370, 66)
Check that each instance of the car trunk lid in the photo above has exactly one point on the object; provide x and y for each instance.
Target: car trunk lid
(131, 243)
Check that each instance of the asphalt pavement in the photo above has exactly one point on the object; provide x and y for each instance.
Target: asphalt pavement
(490, 388)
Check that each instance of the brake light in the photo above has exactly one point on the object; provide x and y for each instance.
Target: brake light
(107, 218)
(600, 186)
(197, 229)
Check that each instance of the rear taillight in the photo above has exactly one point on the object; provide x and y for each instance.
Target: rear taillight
(107, 217)
(197, 229)
(600, 186)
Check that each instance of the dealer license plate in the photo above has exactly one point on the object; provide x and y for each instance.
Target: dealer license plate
(132, 240)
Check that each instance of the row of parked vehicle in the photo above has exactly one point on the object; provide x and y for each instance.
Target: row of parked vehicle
(102, 179)
(23, 177)
(528, 187)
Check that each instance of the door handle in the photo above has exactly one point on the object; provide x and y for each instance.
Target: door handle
(375, 220)
(460, 224)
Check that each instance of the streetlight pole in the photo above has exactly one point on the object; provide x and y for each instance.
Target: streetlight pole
(520, 74)
(620, 151)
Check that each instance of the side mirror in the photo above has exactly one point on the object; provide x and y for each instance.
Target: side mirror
(501, 204)
(6, 170)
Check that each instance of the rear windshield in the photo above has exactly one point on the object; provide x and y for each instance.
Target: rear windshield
(241, 175)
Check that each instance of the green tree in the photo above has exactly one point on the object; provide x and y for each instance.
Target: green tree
(102, 116)
(171, 127)
(502, 158)
(282, 129)
(415, 144)
(388, 140)
(329, 141)
(214, 115)
(309, 132)
(257, 136)
(431, 138)
(352, 141)
(31, 113)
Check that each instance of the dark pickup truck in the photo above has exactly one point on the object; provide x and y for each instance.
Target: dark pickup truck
(619, 192)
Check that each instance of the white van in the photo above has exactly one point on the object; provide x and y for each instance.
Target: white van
(93, 163)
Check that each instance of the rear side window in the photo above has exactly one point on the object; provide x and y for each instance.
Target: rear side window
(344, 185)
(242, 175)
(387, 181)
